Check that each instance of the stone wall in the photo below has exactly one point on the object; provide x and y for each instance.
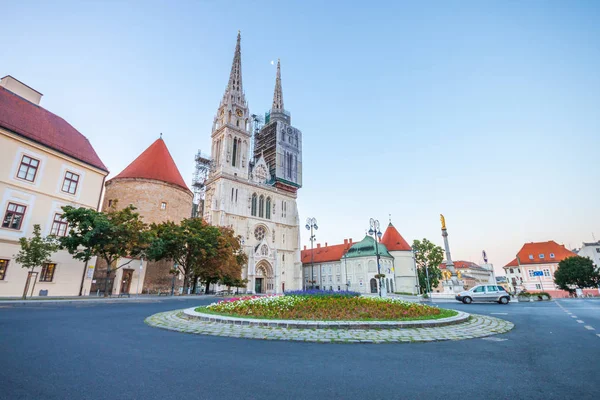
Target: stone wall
(148, 197)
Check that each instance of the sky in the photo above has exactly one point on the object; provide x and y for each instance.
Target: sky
(484, 111)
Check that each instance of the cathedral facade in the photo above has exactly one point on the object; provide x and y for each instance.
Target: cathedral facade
(253, 185)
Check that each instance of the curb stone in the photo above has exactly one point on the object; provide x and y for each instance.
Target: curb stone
(475, 326)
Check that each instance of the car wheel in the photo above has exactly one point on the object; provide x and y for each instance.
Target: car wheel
(467, 300)
(503, 300)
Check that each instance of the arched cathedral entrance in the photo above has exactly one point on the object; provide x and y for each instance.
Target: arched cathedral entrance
(264, 281)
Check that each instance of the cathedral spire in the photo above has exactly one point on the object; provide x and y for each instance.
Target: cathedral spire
(234, 86)
(278, 94)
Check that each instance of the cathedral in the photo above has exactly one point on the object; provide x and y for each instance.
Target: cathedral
(253, 183)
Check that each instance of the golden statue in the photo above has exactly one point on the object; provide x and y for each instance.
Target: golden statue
(443, 221)
(458, 274)
(446, 274)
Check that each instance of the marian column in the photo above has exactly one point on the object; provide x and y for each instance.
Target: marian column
(452, 282)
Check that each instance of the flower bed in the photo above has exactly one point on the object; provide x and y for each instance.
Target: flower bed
(327, 308)
(321, 293)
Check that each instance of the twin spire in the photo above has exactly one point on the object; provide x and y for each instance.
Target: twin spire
(235, 90)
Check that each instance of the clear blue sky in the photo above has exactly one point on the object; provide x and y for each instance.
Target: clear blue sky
(486, 111)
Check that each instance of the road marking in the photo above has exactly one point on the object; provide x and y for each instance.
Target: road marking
(589, 328)
(573, 316)
(494, 339)
(580, 321)
(499, 313)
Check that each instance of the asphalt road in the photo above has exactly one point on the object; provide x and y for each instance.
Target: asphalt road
(105, 351)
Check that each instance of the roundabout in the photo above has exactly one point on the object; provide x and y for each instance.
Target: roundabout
(329, 319)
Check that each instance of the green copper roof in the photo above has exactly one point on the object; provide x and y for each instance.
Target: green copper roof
(366, 247)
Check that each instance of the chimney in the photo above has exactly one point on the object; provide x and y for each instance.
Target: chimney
(21, 89)
(345, 241)
(350, 240)
(318, 245)
(325, 244)
(304, 247)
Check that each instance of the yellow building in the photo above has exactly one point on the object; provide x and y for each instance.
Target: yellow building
(45, 164)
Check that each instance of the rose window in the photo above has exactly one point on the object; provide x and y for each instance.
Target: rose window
(259, 233)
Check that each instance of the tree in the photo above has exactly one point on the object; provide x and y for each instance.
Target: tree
(189, 244)
(228, 261)
(576, 272)
(428, 257)
(111, 236)
(34, 252)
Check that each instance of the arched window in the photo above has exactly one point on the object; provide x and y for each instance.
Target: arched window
(268, 211)
(232, 195)
(261, 206)
(235, 151)
(392, 285)
(373, 284)
(253, 205)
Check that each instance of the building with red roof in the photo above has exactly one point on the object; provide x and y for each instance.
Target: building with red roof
(534, 266)
(153, 184)
(45, 164)
(332, 267)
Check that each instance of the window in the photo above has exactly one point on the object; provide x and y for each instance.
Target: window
(259, 233)
(551, 255)
(236, 195)
(28, 168)
(490, 289)
(512, 271)
(235, 149)
(261, 206)
(283, 257)
(14, 216)
(530, 273)
(253, 212)
(541, 256)
(3, 267)
(70, 182)
(546, 272)
(538, 286)
(268, 211)
(518, 271)
(501, 289)
(479, 289)
(59, 226)
(163, 206)
(597, 249)
(47, 274)
(109, 203)
(531, 256)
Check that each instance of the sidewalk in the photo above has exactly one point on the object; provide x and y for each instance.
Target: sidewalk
(94, 299)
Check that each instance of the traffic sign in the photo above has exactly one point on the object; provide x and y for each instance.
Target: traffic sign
(538, 273)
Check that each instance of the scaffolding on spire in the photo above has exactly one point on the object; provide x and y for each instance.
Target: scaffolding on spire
(204, 165)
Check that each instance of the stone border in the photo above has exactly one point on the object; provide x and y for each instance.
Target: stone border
(191, 313)
(478, 326)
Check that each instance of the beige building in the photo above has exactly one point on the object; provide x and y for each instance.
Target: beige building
(45, 164)
(153, 184)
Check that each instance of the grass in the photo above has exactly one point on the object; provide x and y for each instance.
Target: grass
(405, 293)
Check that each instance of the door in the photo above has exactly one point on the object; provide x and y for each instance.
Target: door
(491, 293)
(126, 280)
(373, 285)
(479, 293)
(258, 285)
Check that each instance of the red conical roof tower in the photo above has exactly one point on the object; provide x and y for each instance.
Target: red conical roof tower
(393, 240)
(155, 163)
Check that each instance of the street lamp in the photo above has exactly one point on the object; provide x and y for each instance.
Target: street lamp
(345, 256)
(376, 233)
(174, 272)
(311, 225)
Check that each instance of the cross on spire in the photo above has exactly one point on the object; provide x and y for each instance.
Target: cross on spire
(278, 93)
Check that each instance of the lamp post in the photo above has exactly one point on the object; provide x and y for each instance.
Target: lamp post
(418, 286)
(376, 233)
(311, 225)
(346, 269)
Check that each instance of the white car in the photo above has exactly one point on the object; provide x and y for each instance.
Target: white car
(481, 293)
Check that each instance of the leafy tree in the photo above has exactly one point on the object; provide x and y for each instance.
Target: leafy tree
(576, 272)
(428, 257)
(34, 252)
(189, 244)
(111, 236)
(228, 261)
